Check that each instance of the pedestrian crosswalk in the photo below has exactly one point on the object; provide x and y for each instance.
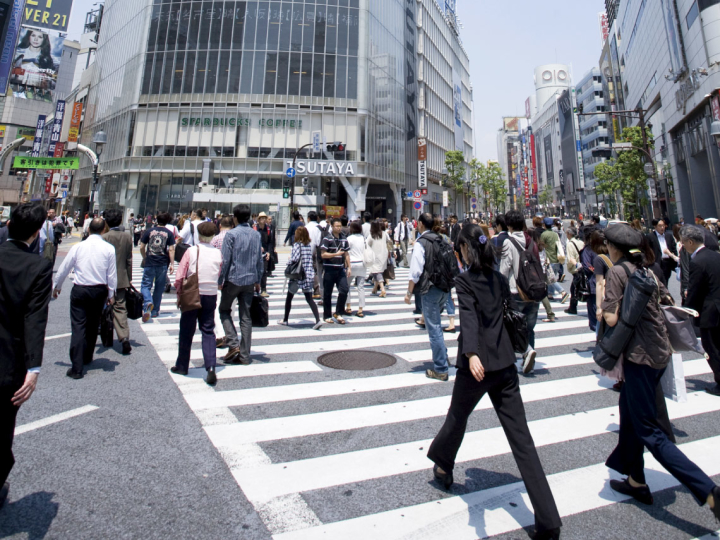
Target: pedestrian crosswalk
(333, 454)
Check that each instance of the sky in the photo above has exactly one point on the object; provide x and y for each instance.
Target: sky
(507, 39)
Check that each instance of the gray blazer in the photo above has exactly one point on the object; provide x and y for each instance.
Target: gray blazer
(122, 242)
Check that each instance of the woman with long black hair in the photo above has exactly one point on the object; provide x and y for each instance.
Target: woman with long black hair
(645, 359)
(486, 365)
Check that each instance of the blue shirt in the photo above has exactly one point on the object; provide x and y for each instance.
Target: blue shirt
(242, 257)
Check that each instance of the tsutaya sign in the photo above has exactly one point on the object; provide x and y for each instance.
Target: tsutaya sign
(239, 122)
(324, 168)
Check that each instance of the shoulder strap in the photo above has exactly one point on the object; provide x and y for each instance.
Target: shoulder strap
(516, 244)
(197, 262)
(627, 270)
(608, 262)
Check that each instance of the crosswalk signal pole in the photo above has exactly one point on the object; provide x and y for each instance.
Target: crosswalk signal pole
(292, 180)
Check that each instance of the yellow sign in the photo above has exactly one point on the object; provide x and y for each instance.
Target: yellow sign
(2, 131)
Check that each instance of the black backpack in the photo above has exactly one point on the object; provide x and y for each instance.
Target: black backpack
(531, 278)
(440, 264)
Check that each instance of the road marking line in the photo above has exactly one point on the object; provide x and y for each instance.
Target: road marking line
(54, 419)
(261, 484)
(59, 336)
(505, 508)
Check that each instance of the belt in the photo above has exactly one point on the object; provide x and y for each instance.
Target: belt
(101, 286)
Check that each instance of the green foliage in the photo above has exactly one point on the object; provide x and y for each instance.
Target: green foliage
(545, 197)
(492, 185)
(625, 175)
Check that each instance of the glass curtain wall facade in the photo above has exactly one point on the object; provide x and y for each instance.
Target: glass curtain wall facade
(243, 85)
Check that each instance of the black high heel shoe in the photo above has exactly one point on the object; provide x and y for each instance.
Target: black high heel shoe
(445, 479)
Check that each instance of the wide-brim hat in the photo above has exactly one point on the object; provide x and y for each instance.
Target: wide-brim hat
(623, 236)
(262, 214)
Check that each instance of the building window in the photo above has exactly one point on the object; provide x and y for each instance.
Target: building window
(692, 15)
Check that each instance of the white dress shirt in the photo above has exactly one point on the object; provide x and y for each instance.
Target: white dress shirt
(94, 263)
(315, 234)
(663, 244)
(417, 263)
(366, 230)
(403, 231)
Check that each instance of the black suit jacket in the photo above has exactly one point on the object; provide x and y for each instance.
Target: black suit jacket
(454, 233)
(25, 287)
(671, 244)
(704, 287)
(482, 330)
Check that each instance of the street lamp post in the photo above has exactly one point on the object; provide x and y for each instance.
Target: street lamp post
(100, 139)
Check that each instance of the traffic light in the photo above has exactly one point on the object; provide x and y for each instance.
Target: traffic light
(336, 147)
(286, 183)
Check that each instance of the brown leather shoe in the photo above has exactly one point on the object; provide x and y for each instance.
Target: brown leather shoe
(221, 343)
(233, 356)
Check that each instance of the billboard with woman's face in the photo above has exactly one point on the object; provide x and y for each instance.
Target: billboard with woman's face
(35, 65)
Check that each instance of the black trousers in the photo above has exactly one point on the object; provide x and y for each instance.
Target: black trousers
(667, 265)
(711, 343)
(86, 305)
(504, 389)
(640, 429)
(8, 414)
(334, 275)
(573, 292)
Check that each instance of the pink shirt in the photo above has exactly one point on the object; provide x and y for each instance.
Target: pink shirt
(208, 269)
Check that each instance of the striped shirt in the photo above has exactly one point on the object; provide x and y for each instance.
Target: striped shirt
(242, 257)
(340, 246)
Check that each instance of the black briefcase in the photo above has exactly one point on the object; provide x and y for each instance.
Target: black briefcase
(133, 303)
(259, 312)
(106, 326)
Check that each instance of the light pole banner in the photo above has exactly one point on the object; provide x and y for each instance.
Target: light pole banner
(57, 127)
(8, 48)
(38, 135)
(75, 122)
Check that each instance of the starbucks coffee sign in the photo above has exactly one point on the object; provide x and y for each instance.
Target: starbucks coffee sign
(189, 121)
(324, 168)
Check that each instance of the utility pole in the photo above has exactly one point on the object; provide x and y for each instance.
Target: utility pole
(292, 180)
(646, 147)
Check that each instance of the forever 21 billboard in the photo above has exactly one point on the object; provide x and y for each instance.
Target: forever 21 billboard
(49, 14)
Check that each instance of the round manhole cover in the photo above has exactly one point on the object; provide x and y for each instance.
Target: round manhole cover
(357, 360)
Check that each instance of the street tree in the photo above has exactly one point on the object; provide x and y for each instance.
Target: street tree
(625, 175)
(545, 197)
(454, 161)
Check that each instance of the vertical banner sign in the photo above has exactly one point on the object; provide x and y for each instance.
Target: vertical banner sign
(8, 47)
(422, 163)
(75, 122)
(38, 135)
(446, 199)
(57, 127)
(533, 161)
(59, 150)
(457, 111)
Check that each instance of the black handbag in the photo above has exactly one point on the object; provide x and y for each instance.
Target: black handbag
(295, 270)
(516, 326)
(182, 247)
(259, 312)
(106, 326)
(134, 303)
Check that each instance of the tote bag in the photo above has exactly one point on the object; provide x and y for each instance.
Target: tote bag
(189, 298)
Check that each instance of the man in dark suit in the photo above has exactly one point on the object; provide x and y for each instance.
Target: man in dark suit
(122, 242)
(25, 287)
(703, 295)
(665, 248)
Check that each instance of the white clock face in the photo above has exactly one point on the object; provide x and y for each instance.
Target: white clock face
(562, 75)
(547, 75)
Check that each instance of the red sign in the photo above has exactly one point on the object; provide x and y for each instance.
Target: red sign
(533, 160)
(59, 149)
(48, 183)
(424, 191)
(334, 211)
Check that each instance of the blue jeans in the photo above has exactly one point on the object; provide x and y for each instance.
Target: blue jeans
(450, 305)
(157, 275)
(530, 310)
(433, 303)
(558, 269)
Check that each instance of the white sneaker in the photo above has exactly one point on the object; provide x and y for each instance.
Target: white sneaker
(529, 361)
(318, 325)
(283, 323)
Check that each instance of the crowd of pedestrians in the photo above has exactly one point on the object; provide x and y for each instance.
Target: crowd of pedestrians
(492, 267)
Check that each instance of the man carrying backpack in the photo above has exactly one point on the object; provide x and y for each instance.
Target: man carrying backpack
(520, 264)
(432, 272)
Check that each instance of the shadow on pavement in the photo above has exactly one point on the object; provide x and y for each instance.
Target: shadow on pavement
(32, 515)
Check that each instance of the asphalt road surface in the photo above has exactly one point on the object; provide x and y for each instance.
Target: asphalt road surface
(289, 449)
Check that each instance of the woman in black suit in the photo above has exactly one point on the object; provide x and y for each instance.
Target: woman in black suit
(486, 365)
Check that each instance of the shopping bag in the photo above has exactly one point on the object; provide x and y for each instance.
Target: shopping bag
(673, 380)
(106, 326)
(133, 303)
(680, 330)
(259, 312)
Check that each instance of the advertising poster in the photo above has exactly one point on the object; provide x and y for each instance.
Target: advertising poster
(75, 122)
(511, 124)
(6, 56)
(35, 65)
(48, 14)
(671, 30)
(457, 111)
